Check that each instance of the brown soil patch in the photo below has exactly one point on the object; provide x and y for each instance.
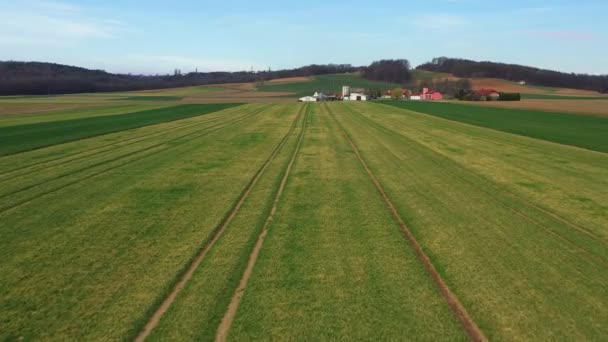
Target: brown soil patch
(469, 325)
(513, 87)
(587, 107)
(291, 80)
(224, 327)
(217, 233)
(504, 86)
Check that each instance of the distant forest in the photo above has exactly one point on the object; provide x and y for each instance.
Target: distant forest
(36, 78)
(396, 71)
(513, 72)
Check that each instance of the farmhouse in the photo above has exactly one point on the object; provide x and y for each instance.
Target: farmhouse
(426, 94)
(487, 95)
(356, 97)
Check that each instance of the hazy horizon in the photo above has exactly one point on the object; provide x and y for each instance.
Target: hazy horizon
(155, 37)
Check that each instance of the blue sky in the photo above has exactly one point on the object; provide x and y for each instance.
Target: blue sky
(159, 36)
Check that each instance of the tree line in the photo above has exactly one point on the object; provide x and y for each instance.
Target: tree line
(514, 72)
(37, 78)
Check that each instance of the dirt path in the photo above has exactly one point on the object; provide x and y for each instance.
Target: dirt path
(216, 234)
(455, 305)
(224, 327)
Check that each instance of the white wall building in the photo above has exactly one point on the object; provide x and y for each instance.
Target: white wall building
(415, 97)
(308, 99)
(357, 97)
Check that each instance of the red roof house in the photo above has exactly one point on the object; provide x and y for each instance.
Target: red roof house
(487, 94)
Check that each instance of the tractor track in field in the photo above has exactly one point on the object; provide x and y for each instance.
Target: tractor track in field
(597, 259)
(191, 136)
(468, 323)
(109, 146)
(214, 236)
(229, 315)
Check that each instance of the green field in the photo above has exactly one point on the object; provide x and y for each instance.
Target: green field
(326, 83)
(577, 130)
(19, 138)
(338, 221)
(151, 98)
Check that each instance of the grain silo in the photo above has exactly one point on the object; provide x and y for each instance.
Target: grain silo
(345, 91)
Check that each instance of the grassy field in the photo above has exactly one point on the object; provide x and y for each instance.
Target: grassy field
(290, 221)
(583, 131)
(21, 138)
(328, 83)
(516, 226)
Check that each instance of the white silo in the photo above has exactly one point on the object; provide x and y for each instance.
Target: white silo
(345, 91)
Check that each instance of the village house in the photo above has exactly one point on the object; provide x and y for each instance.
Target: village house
(487, 95)
(427, 95)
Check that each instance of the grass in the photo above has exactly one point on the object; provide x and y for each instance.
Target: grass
(577, 130)
(116, 241)
(499, 216)
(21, 138)
(334, 264)
(199, 308)
(327, 83)
(97, 231)
(73, 113)
(151, 98)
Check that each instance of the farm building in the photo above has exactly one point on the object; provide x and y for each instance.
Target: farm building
(356, 97)
(389, 94)
(427, 94)
(487, 95)
(308, 99)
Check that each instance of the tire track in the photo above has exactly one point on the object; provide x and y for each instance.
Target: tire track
(191, 136)
(214, 237)
(598, 259)
(122, 143)
(467, 322)
(226, 322)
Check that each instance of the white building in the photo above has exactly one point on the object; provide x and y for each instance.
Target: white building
(356, 97)
(308, 99)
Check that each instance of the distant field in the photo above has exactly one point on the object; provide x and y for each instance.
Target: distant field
(151, 98)
(328, 83)
(588, 107)
(577, 130)
(562, 97)
(21, 138)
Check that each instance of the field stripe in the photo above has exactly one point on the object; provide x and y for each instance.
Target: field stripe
(122, 143)
(598, 259)
(469, 325)
(215, 236)
(194, 135)
(126, 155)
(224, 327)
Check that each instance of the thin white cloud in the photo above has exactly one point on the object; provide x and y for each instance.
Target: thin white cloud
(52, 23)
